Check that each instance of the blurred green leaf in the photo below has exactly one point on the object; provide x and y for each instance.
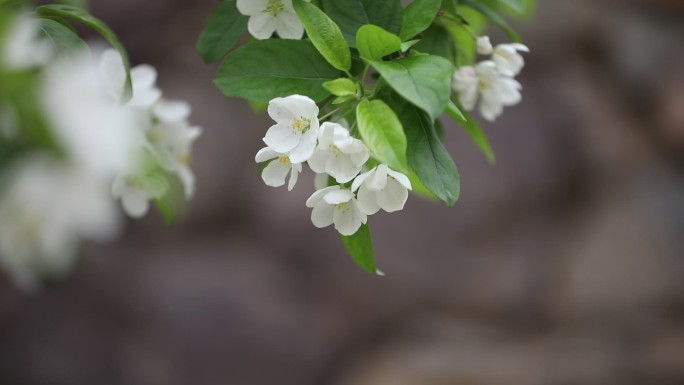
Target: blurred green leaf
(472, 128)
(226, 26)
(360, 247)
(350, 15)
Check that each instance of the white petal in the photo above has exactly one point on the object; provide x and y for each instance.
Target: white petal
(251, 7)
(393, 196)
(317, 197)
(508, 91)
(348, 220)
(368, 201)
(281, 138)
(262, 25)
(318, 160)
(341, 168)
(143, 76)
(187, 179)
(322, 215)
(360, 179)
(275, 172)
(289, 26)
(378, 179)
(490, 107)
(326, 134)
(145, 98)
(294, 175)
(468, 98)
(399, 177)
(484, 46)
(281, 109)
(172, 111)
(305, 148)
(112, 73)
(520, 47)
(335, 197)
(135, 203)
(265, 154)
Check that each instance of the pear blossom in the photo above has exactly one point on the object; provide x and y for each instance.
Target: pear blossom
(484, 46)
(276, 171)
(496, 90)
(135, 192)
(338, 206)
(268, 16)
(338, 153)
(296, 130)
(381, 188)
(46, 209)
(508, 61)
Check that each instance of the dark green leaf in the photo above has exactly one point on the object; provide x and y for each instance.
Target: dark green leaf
(350, 15)
(324, 34)
(423, 80)
(266, 69)
(382, 132)
(472, 128)
(417, 17)
(374, 42)
(360, 247)
(436, 41)
(61, 38)
(226, 26)
(82, 16)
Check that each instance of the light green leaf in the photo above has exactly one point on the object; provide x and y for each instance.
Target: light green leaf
(341, 87)
(350, 15)
(226, 26)
(360, 247)
(494, 18)
(522, 8)
(324, 34)
(423, 80)
(382, 132)
(418, 16)
(266, 69)
(472, 128)
(374, 42)
(82, 16)
(427, 156)
(62, 38)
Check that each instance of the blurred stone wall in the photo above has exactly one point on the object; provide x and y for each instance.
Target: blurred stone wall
(562, 264)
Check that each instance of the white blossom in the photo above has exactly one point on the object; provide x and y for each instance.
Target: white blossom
(496, 90)
(508, 61)
(143, 81)
(268, 16)
(338, 153)
(276, 171)
(296, 130)
(381, 188)
(484, 46)
(338, 206)
(46, 209)
(23, 47)
(135, 192)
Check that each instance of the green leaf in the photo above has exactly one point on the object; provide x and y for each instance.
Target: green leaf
(419, 189)
(522, 8)
(82, 16)
(423, 80)
(266, 69)
(472, 128)
(360, 247)
(374, 42)
(427, 156)
(341, 87)
(61, 37)
(226, 26)
(324, 34)
(436, 41)
(494, 18)
(417, 17)
(382, 132)
(350, 15)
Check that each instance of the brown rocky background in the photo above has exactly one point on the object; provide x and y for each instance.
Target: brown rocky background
(563, 264)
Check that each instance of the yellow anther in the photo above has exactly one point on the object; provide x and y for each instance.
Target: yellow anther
(275, 7)
(301, 124)
(335, 150)
(283, 159)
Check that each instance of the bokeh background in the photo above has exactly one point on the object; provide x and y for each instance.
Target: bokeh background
(563, 264)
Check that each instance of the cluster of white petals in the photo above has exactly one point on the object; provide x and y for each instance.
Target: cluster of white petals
(492, 81)
(161, 128)
(331, 152)
(269, 16)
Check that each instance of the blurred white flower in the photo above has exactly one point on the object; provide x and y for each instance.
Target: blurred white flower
(135, 192)
(338, 153)
(296, 130)
(276, 171)
(381, 188)
(508, 61)
(96, 133)
(268, 16)
(497, 90)
(46, 209)
(143, 80)
(23, 47)
(338, 206)
(484, 46)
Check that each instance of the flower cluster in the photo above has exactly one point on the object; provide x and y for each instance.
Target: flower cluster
(492, 80)
(84, 148)
(335, 155)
